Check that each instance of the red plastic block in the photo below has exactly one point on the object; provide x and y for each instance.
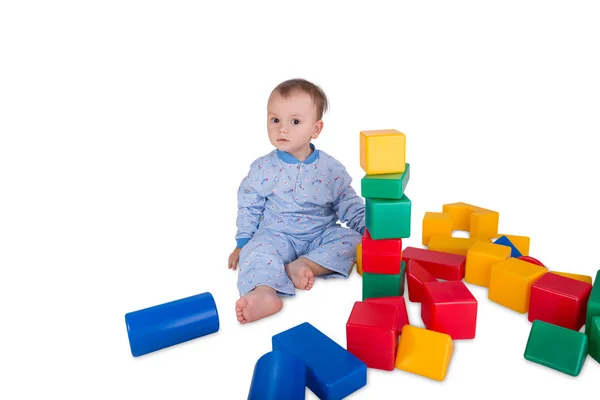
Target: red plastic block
(559, 300)
(415, 276)
(449, 307)
(371, 334)
(398, 301)
(446, 266)
(531, 260)
(383, 256)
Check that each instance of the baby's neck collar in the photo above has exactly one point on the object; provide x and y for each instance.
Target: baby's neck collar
(290, 159)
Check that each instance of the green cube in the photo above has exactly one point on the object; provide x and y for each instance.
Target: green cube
(383, 285)
(593, 306)
(595, 339)
(388, 218)
(556, 347)
(385, 186)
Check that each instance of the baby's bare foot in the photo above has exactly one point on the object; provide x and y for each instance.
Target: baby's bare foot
(300, 273)
(259, 303)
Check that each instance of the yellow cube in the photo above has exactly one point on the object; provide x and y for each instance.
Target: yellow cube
(582, 278)
(454, 245)
(460, 215)
(436, 224)
(511, 281)
(424, 352)
(359, 259)
(382, 151)
(480, 222)
(520, 242)
(480, 258)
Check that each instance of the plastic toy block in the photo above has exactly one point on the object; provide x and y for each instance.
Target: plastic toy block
(436, 224)
(400, 303)
(532, 260)
(359, 259)
(521, 242)
(453, 245)
(332, 372)
(424, 352)
(480, 222)
(449, 307)
(278, 375)
(504, 241)
(385, 186)
(577, 277)
(388, 219)
(555, 347)
(381, 256)
(382, 151)
(593, 307)
(446, 266)
(416, 275)
(372, 334)
(559, 300)
(594, 341)
(511, 281)
(171, 323)
(480, 258)
(383, 285)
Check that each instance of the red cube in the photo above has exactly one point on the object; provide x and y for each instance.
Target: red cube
(442, 265)
(559, 300)
(372, 335)
(416, 275)
(382, 256)
(449, 307)
(402, 317)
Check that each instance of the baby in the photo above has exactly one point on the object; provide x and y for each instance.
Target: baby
(289, 206)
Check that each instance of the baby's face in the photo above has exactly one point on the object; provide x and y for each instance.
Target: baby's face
(292, 123)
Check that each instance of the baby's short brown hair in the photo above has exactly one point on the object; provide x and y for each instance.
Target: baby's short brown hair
(286, 88)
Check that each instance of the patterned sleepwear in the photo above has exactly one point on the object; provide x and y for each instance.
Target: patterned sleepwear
(288, 209)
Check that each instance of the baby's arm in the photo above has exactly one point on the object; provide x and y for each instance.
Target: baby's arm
(348, 205)
(250, 207)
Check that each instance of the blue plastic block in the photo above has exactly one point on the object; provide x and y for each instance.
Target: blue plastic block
(504, 241)
(168, 324)
(332, 372)
(278, 375)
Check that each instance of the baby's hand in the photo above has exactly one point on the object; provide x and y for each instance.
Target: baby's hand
(234, 258)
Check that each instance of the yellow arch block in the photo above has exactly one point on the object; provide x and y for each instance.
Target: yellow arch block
(520, 242)
(436, 224)
(511, 281)
(480, 222)
(480, 259)
(359, 259)
(451, 244)
(382, 151)
(582, 278)
(424, 352)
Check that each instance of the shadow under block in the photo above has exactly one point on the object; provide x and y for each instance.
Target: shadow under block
(388, 219)
(559, 300)
(385, 186)
(594, 341)
(446, 266)
(555, 347)
(453, 245)
(383, 285)
(416, 276)
(424, 352)
(359, 259)
(382, 151)
(521, 242)
(593, 307)
(577, 277)
(480, 259)
(435, 224)
(511, 281)
(504, 241)
(480, 222)
(400, 303)
(372, 334)
(449, 307)
(381, 256)
(332, 372)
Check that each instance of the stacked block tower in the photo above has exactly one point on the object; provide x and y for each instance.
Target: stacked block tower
(388, 212)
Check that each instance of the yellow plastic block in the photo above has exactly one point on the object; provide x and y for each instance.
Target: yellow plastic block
(424, 352)
(480, 258)
(454, 245)
(359, 259)
(460, 215)
(382, 151)
(510, 283)
(436, 224)
(520, 242)
(480, 222)
(582, 278)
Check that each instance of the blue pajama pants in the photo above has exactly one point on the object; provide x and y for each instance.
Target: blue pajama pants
(263, 258)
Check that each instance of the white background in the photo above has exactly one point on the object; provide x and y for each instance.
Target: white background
(127, 126)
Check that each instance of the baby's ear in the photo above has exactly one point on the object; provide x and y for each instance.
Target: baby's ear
(317, 129)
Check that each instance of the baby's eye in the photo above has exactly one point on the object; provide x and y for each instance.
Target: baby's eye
(295, 121)
(275, 120)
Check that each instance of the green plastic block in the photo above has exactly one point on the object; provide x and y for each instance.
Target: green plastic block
(388, 218)
(593, 306)
(385, 186)
(559, 348)
(595, 339)
(383, 285)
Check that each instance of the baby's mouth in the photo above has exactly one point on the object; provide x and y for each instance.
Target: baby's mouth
(282, 140)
